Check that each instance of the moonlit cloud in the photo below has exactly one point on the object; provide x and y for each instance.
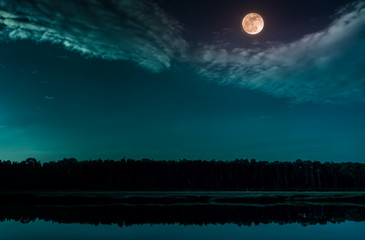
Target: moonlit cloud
(327, 66)
(135, 30)
(48, 97)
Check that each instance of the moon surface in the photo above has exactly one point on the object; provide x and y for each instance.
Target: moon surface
(253, 23)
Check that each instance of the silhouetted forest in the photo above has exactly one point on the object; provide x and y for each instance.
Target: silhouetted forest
(242, 175)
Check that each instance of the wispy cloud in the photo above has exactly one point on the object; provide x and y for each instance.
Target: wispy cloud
(326, 66)
(136, 30)
(48, 97)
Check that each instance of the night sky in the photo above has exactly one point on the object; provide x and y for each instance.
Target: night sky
(180, 79)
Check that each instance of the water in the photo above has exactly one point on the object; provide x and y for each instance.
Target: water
(85, 217)
(45, 230)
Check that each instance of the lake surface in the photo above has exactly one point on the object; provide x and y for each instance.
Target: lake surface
(182, 215)
(42, 230)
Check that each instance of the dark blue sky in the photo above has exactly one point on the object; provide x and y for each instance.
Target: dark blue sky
(179, 79)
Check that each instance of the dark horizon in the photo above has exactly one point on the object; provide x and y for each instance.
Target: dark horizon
(184, 175)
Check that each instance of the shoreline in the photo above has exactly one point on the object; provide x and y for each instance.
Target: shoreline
(178, 197)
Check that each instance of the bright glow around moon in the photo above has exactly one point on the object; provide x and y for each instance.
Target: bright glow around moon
(253, 23)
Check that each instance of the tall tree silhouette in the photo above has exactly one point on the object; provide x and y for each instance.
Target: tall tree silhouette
(145, 174)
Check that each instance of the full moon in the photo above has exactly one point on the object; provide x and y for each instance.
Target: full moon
(253, 23)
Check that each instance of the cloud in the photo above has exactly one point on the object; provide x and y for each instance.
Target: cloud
(327, 66)
(135, 30)
(48, 97)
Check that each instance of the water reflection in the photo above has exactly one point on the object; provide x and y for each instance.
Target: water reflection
(247, 215)
(42, 230)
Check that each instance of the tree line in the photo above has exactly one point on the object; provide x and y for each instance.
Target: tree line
(145, 174)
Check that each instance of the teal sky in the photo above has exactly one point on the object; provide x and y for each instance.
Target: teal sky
(71, 89)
